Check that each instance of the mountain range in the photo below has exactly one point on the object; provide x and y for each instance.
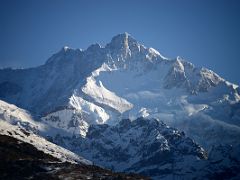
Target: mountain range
(126, 107)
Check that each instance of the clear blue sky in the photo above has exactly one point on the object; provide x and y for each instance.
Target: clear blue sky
(205, 32)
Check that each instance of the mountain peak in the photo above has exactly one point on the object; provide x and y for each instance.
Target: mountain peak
(121, 36)
(64, 53)
(123, 44)
(94, 47)
(65, 48)
(122, 40)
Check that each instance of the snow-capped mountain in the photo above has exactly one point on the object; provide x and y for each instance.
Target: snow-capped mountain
(77, 91)
(125, 79)
(145, 146)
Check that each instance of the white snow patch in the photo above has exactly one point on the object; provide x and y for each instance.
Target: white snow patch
(40, 143)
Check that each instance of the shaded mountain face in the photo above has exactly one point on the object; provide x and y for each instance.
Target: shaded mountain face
(146, 146)
(151, 148)
(79, 98)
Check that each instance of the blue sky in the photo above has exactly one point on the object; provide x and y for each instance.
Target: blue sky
(204, 32)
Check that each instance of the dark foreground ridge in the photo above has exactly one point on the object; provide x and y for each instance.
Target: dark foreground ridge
(20, 160)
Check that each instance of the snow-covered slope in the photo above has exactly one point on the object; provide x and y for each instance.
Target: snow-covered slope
(19, 124)
(76, 89)
(146, 146)
(151, 148)
(142, 146)
(125, 79)
(40, 143)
